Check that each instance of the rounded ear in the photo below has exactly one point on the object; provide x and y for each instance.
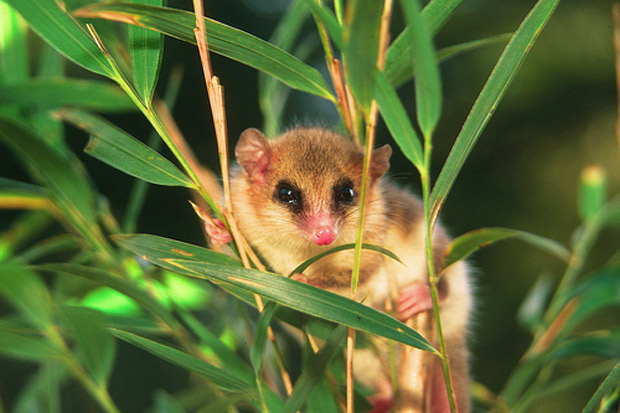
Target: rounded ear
(253, 154)
(380, 161)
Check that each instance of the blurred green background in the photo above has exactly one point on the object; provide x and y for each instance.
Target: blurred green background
(558, 116)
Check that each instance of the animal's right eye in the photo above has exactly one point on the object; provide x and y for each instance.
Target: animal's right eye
(288, 195)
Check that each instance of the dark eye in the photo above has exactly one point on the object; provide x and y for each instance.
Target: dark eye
(288, 195)
(344, 192)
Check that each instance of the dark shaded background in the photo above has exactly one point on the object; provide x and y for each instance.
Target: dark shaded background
(558, 116)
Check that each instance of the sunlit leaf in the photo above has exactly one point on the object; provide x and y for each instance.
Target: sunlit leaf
(202, 263)
(63, 33)
(361, 47)
(122, 151)
(223, 379)
(145, 47)
(502, 75)
(14, 65)
(427, 81)
(56, 92)
(225, 40)
(314, 370)
(97, 346)
(466, 244)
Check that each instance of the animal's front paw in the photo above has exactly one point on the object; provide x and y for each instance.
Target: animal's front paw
(413, 299)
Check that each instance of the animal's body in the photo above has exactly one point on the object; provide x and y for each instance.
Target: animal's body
(298, 195)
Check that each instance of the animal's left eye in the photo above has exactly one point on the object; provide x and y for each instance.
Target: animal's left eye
(344, 192)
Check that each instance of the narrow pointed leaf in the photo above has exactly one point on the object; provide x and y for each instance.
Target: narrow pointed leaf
(260, 336)
(97, 346)
(612, 380)
(325, 15)
(115, 282)
(603, 344)
(225, 40)
(14, 67)
(302, 267)
(63, 33)
(466, 244)
(427, 81)
(397, 120)
(26, 347)
(122, 151)
(201, 263)
(223, 379)
(145, 47)
(361, 47)
(400, 53)
(51, 93)
(64, 177)
(502, 75)
(314, 370)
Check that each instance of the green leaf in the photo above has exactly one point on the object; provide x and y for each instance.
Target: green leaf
(595, 293)
(117, 283)
(56, 92)
(63, 176)
(314, 370)
(400, 53)
(466, 244)
(397, 121)
(122, 151)
(602, 344)
(533, 306)
(325, 16)
(361, 48)
(97, 346)
(145, 47)
(225, 40)
(26, 346)
(224, 379)
(14, 66)
(63, 33)
(502, 75)
(612, 380)
(427, 81)
(592, 191)
(260, 336)
(228, 358)
(26, 292)
(302, 267)
(201, 263)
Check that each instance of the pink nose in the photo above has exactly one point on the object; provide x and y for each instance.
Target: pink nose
(324, 235)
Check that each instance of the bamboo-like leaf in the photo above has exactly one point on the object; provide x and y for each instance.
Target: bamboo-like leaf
(122, 151)
(225, 40)
(397, 121)
(534, 304)
(63, 33)
(224, 379)
(466, 244)
(115, 282)
(260, 336)
(502, 75)
(603, 344)
(97, 346)
(228, 358)
(304, 265)
(325, 16)
(361, 47)
(612, 380)
(64, 177)
(427, 81)
(201, 263)
(26, 346)
(14, 67)
(400, 53)
(145, 47)
(314, 370)
(56, 92)
(26, 292)
(597, 292)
